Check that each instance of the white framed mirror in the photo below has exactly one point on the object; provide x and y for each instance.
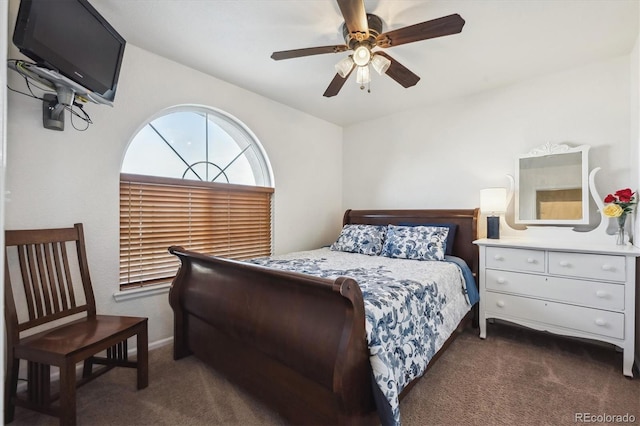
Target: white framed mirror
(552, 186)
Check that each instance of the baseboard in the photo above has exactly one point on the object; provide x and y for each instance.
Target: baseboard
(160, 343)
(55, 375)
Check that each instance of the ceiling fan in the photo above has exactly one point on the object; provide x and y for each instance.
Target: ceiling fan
(362, 33)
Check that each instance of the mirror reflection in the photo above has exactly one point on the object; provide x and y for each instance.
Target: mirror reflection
(552, 186)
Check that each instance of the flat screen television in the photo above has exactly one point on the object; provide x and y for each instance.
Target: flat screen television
(73, 39)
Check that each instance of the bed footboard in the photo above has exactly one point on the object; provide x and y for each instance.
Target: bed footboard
(295, 341)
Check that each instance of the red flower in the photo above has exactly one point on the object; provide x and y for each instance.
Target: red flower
(623, 198)
(624, 195)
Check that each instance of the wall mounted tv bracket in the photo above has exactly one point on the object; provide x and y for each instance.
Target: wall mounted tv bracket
(53, 106)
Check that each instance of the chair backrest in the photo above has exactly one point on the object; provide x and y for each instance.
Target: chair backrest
(55, 277)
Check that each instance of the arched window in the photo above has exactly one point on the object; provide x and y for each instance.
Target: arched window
(197, 178)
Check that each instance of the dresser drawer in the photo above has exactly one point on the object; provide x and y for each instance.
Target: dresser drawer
(587, 293)
(588, 320)
(515, 259)
(593, 266)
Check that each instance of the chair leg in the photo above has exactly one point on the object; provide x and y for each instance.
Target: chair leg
(142, 357)
(88, 367)
(10, 388)
(39, 383)
(68, 393)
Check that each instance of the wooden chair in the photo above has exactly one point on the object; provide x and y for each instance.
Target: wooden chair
(56, 285)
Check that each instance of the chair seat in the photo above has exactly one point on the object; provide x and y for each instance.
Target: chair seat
(75, 338)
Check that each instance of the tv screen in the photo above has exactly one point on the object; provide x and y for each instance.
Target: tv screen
(72, 38)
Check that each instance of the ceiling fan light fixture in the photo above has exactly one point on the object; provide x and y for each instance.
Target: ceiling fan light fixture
(363, 76)
(344, 66)
(380, 64)
(361, 55)
(362, 32)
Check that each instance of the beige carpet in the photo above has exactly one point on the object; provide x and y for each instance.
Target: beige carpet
(514, 377)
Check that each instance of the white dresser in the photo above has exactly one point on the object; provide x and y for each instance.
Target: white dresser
(573, 290)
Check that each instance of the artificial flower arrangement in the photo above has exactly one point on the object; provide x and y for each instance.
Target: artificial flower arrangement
(619, 205)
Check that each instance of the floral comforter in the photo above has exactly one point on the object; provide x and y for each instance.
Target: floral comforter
(411, 308)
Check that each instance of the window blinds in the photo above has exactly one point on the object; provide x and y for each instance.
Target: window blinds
(219, 219)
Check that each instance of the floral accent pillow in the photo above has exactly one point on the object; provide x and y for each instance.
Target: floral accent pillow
(451, 236)
(415, 242)
(363, 239)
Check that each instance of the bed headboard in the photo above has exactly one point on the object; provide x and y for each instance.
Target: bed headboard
(466, 219)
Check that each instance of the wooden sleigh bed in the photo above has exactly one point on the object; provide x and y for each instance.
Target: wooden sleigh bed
(295, 341)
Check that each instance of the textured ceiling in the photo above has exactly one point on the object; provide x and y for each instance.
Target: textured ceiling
(503, 41)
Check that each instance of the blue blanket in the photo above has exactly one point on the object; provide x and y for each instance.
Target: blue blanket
(470, 283)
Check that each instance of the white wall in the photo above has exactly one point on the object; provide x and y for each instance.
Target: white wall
(441, 156)
(634, 114)
(634, 154)
(59, 178)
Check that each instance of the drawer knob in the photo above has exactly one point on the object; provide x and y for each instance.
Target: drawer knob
(600, 322)
(498, 257)
(501, 281)
(531, 260)
(564, 263)
(500, 303)
(607, 267)
(602, 293)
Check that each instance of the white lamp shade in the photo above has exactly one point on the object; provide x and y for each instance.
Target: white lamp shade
(380, 64)
(363, 75)
(361, 55)
(493, 200)
(344, 66)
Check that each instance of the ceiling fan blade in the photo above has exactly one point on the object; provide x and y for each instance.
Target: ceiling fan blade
(355, 18)
(399, 72)
(297, 53)
(446, 25)
(335, 85)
